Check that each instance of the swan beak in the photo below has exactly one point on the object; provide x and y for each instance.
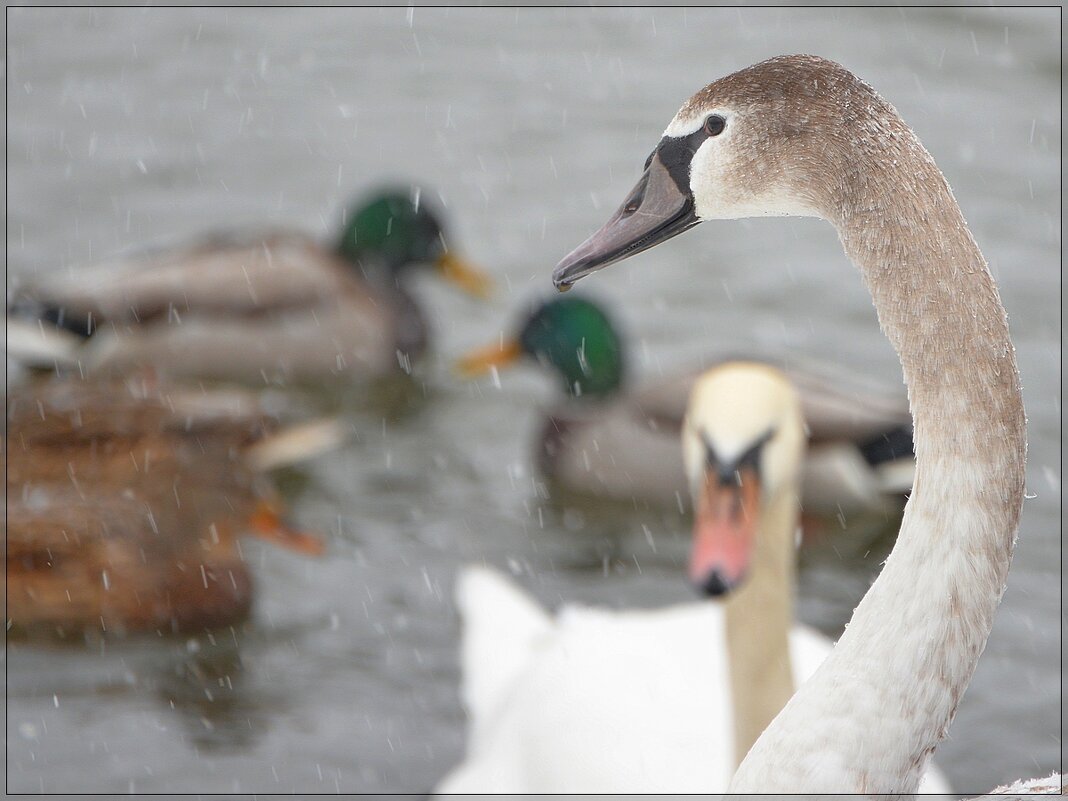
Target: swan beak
(656, 210)
(484, 359)
(725, 526)
(464, 275)
(267, 524)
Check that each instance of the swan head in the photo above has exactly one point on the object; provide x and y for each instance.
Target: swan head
(743, 441)
(773, 139)
(399, 228)
(572, 336)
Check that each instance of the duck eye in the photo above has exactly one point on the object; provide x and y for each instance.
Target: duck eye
(714, 125)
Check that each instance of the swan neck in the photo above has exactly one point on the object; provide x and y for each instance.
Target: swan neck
(870, 717)
(758, 619)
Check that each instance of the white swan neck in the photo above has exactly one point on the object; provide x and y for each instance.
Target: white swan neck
(757, 619)
(870, 717)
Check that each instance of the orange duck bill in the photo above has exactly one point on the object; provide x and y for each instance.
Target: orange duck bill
(724, 532)
(481, 361)
(267, 524)
(464, 275)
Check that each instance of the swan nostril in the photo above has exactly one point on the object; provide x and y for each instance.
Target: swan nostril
(634, 202)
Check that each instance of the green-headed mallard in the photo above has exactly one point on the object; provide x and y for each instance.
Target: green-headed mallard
(270, 306)
(605, 439)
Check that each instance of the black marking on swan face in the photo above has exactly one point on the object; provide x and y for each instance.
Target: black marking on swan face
(676, 154)
(726, 470)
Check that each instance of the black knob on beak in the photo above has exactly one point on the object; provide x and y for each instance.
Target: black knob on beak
(714, 584)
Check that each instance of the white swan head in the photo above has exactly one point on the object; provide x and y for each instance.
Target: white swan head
(773, 139)
(743, 441)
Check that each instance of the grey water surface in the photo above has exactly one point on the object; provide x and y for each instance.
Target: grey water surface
(139, 126)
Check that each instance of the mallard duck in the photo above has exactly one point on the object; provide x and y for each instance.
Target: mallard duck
(608, 440)
(125, 500)
(801, 135)
(656, 700)
(270, 306)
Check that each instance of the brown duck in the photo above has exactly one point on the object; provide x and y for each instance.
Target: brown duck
(126, 500)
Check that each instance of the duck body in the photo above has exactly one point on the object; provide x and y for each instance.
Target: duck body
(125, 501)
(606, 439)
(859, 457)
(77, 564)
(275, 307)
(272, 306)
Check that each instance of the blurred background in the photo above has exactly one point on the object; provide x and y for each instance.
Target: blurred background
(138, 126)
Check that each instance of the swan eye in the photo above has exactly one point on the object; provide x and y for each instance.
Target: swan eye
(714, 125)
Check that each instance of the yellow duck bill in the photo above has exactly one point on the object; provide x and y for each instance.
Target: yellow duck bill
(658, 208)
(484, 359)
(464, 275)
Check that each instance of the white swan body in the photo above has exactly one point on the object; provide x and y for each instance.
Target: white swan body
(597, 700)
(802, 135)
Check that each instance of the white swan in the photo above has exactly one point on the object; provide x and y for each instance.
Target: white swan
(802, 135)
(668, 700)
